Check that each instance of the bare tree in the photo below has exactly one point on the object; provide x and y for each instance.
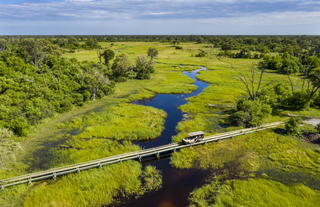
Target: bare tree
(249, 81)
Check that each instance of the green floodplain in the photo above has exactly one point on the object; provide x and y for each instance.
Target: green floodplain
(262, 169)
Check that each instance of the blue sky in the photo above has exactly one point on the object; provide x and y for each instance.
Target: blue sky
(159, 17)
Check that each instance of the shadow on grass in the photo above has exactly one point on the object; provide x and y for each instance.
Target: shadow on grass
(288, 178)
(280, 131)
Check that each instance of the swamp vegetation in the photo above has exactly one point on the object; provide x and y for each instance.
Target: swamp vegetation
(63, 110)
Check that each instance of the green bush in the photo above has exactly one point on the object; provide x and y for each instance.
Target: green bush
(250, 113)
(292, 126)
(143, 67)
(152, 178)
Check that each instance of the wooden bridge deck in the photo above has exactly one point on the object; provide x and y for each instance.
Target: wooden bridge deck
(136, 155)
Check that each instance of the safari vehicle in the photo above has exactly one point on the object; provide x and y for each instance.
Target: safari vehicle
(193, 137)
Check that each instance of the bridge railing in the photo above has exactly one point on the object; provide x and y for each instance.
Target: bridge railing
(55, 172)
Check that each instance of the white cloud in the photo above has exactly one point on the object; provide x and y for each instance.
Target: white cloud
(189, 13)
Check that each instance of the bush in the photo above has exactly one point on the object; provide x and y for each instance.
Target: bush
(250, 113)
(275, 95)
(297, 101)
(143, 68)
(121, 68)
(152, 178)
(152, 52)
(201, 53)
(292, 126)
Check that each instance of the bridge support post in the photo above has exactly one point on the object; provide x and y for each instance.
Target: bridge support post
(100, 165)
(29, 181)
(2, 187)
(158, 155)
(54, 176)
(140, 158)
(175, 149)
(78, 170)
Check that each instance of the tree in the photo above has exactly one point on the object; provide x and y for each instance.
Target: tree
(290, 65)
(91, 43)
(34, 51)
(250, 112)
(292, 126)
(314, 78)
(271, 62)
(276, 95)
(175, 42)
(153, 53)
(143, 67)
(201, 53)
(108, 55)
(99, 54)
(121, 67)
(309, 64)
(97, 83)
(250, 81)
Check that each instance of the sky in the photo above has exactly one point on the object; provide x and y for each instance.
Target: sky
(115, 17)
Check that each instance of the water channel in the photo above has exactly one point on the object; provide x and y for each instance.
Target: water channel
(177, 183)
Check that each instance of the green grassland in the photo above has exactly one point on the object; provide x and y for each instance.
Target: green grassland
(255, 192)
(89, 188)
(107, 126)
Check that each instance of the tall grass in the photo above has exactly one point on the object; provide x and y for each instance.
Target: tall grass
(92, 188)
(255, 192)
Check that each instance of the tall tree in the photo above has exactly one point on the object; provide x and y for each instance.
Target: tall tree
(249, 81)
(121, 67)
(290, 66)
(152, 53)
(143, 67)
(108, 55)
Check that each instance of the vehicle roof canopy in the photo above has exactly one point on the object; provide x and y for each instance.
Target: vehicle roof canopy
(191, 134)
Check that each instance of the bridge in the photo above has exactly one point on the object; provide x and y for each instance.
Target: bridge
(136, 155)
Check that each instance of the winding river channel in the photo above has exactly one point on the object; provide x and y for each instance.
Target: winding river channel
(177, 183)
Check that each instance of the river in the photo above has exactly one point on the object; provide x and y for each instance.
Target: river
(177, 183)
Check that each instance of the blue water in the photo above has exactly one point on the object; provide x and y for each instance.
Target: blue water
(177, 184)
(170, 103)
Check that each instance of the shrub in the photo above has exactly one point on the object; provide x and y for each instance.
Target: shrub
(143, 68)
(292, 126)
(152, 52)
(250, 113)
(121, 68)
(201, 53)
(275, 95)
(297, 101)
(152, 178)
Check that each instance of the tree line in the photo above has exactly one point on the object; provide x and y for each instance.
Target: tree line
(261, 44)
